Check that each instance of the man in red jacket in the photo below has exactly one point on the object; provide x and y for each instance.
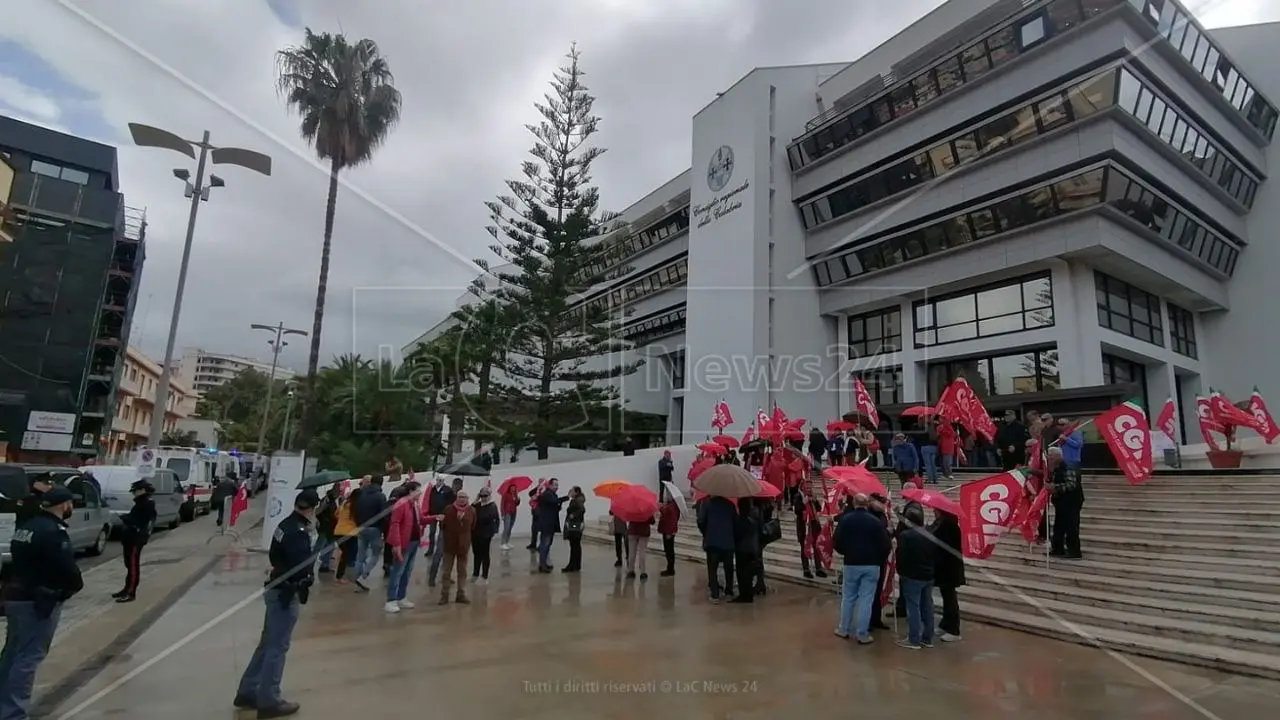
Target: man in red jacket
(668, 525)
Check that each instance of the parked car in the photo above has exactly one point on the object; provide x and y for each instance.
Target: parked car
(115, 481)
(90, 523)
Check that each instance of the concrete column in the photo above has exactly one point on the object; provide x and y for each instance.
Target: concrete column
(843, 383)
(1075, 317)
(914, 385)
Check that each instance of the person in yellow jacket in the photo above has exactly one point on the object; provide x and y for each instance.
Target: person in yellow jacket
(345, 532)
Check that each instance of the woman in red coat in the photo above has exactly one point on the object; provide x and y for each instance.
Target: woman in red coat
(947, 440)
(668, 526)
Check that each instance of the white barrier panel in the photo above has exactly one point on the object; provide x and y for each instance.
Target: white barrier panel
(282, 488)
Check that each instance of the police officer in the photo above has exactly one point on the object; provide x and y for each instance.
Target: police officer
(292, 572)
(44, 576)
(138, 523)
(29, 506)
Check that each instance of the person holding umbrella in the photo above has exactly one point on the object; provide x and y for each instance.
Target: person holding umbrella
(668, 526)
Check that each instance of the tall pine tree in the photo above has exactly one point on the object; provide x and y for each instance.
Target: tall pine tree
(561, 353)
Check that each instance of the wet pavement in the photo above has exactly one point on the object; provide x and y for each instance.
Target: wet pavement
(598, 646)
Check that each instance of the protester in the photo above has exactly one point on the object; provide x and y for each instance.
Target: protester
(1068, 500)
(638, 547)
(628, 447)
(404, 537)
(916, 551)
(861, 541)
(393, 469)
(716, 517)
(817, 446)
(620, 544)
(666, 471)
(668, 526)
(370, 508)
(905, 458)
(948, 442)
(928, 447)
(138, 524)
(1012, 441)
(510, 504)
(456, 523)
(533, 513)
(575, 524)
(878, 507)
(439, 498)
(549, 502)
(346, 533)
(1072, 444)
(44, 576)
(746, 545)
(222, 492)
(808, 530)
(288, 587)
(835, 449)
(770, 531)
(487, 524)
(326, 521)
(948, 572)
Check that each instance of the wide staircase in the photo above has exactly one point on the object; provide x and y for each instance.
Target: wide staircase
(1183, 568)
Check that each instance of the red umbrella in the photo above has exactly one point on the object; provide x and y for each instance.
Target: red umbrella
(919, 411)
(711, 448)
(725, 440)
(932, 499)
(768, 490)
(857, 479)
(519, 482)
(840, 426)
(634, 503)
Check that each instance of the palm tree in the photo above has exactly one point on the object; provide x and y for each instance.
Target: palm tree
(345, 95)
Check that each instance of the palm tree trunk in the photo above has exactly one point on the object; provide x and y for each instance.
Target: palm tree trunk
(311, 410)
(457, 418)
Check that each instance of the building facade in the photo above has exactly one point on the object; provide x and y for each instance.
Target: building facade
(68, 286)
(136, 402)
(202, 370)
(1064, 201)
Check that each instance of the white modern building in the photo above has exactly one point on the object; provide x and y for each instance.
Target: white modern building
(203, 370)
(1066, 201)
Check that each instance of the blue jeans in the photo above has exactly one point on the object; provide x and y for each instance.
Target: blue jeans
(929, 458)
(544, 549)
(26, 643)
(261, 679)
(857, 594)
(918, 595)
(398, 581)
(508, 523)
(369, 554)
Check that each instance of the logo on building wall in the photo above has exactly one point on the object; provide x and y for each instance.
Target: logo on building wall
(720, 169)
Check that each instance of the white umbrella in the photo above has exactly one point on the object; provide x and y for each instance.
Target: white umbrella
(678, 497)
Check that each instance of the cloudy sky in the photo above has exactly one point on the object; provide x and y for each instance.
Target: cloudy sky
(469, 71)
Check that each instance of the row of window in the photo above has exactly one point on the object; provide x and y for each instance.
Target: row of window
(48, 169)
(660, 279)
(1041, 203)
(1128, 310)
(1024, 304)
(1176, 25)
(875, 333)
(1009, 374)
(645, 331)
(1177, 132)
(992, 136)
(636, 243)
(884, 385)
(1182, 331)
(1140, 203)
(998, 48)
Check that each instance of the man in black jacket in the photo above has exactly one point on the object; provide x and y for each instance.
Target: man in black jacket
(746, 530)
(861, 539)
(916, 552)
(439, 498)
(877, 507)
(716, 518)
(368, 512)
(29, 506)
(1011, 441)
(138, 524)
(666, 470)
(44, 577)
(224, 491)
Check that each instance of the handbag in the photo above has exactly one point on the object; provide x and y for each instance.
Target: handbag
(770, 531)
(573, 526)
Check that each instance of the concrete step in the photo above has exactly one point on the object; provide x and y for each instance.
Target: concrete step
(1219, 534)
(1092, 538)
(1138, 638)
(1246, 592)
(1196, 511)
(1154, 622)
(1153, 565)
(1262, 522)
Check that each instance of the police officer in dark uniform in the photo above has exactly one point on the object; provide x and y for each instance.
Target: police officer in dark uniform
(44, 576)
(292, 573)
(138, 524)
(29, 506)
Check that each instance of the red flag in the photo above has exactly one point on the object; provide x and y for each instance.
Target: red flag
(746, 436)
(1127, 433)
(1027, 519)
(721, 418)
(1208, 423)
(862, 402)
(239, 504)
(1267, 427)
(1165, 422)
(988, 506)
(1228, 415)
(960, 404)
(891, 570)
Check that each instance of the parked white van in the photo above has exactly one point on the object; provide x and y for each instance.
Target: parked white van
(115, 481)
(198, 470)
(89, 526)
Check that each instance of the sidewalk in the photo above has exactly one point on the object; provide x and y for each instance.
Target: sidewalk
(94, 629)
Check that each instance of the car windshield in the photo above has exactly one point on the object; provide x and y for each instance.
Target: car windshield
(180, 467)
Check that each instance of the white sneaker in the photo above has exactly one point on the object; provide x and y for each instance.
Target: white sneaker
(482, 581)
(948, 637)
(506, 546)
(405, 605)
(392, 607)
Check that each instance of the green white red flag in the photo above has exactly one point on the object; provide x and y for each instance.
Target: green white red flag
(1128, 434)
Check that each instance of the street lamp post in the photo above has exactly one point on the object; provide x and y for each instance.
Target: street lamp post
(288, 412)
(276, 346)
(147, 136)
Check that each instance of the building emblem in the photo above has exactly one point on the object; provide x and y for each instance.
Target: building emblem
(720, 169)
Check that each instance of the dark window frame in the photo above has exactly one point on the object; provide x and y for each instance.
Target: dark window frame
(985, 385)
(1182, 331)
(1123, 308)
(862, 346)
(882, 393)
(1023, 312)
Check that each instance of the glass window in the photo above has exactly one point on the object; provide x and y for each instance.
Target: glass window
(78, 177)
(1182, 331)
(1003, 46)
(1129, 89)
(1129, 310)
(41, 167)
(984, 313)
(965, 147)
(925, 88)
(1093, 95)
(875, 333)
(1052, 112)
(1080, 191)
(942, 158)
(1013, 374)
(883, 385)
(948, 74)
(975, 60)
(1032, 31)
(903, 100)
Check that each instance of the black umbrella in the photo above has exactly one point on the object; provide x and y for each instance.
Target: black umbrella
(325, 477)
(466, 469)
